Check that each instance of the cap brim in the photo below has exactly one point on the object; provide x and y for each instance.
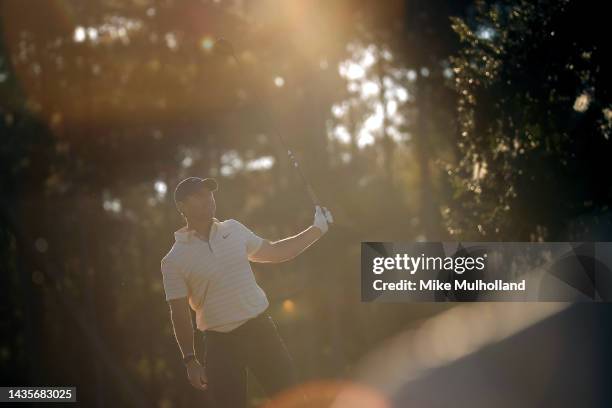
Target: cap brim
(210, 184)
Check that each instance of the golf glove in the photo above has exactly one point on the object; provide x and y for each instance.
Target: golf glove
(322, 218)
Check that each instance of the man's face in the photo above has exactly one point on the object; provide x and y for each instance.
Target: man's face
(200, 205)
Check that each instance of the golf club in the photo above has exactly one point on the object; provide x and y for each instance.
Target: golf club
(224, 47)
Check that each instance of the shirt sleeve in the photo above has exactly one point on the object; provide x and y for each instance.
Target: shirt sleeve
(252, 241)
(174, 282)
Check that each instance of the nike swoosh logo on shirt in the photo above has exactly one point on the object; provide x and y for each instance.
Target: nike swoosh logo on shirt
(225, 236)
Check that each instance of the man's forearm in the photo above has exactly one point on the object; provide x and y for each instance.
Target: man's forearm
(183, 330)
(290, 247)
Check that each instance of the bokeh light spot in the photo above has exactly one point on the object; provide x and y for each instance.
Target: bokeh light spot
(41, 245)
(582, 102)
(279, 81)
(161, 188)
(79, 34)
(288, 306)
(207, 43)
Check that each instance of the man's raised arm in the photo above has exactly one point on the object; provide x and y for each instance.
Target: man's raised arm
(289, 248)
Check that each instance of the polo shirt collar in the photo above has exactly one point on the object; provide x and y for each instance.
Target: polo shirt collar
(187, 235)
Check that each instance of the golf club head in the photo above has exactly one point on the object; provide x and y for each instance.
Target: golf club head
(223, 47)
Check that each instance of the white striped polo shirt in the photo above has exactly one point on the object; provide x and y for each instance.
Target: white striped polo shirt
(216, 276)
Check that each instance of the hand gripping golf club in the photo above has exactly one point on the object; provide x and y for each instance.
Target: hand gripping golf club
(224, 47)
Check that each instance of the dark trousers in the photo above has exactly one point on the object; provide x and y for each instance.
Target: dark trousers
(257, 345)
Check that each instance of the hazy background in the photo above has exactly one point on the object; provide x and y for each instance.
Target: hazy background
(413, 119)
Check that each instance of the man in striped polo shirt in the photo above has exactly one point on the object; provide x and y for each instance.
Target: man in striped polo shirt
(208, 270)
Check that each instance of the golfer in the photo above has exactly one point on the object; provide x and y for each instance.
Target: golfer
(208, 270)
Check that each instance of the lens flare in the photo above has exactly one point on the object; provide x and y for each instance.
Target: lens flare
(329, 394)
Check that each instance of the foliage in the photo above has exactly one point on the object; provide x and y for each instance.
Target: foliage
(534, 111)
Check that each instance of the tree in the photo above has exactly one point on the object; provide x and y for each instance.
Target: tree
(534, 113)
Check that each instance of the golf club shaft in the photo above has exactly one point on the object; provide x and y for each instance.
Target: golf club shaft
(294, 162)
